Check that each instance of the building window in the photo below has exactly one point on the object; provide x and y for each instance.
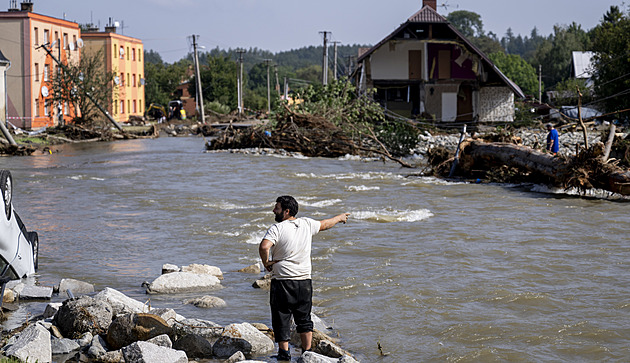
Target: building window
(128, 80)
(36, 35)
(133, 80)
(65, 41)
(56, 37)
(46, 36)
(36, 72)
(133, 54)
(139, 54)
(140, 104)
(134, 106)
(37, 107)
(122, 52)
(74, 41)
(45, 73)
(115, 108)
(122, 80)
(122, 106)
(129, 105)
(46, 107)
(127, 53)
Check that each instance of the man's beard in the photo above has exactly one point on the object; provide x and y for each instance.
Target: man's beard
(279, 217)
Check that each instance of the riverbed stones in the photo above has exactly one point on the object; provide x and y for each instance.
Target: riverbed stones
(63, 345)
(312, 357)
(83, 314)
(181, 282)
(129, 328)
(144, 352)
(242, 337)
(162, 340)
(168, 268)
(51, 310)
(206, 302)
(207, 329)
(31, 292)
(32, 345)
(76, 287)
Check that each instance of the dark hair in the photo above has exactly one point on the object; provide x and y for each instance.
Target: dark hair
(288, 202)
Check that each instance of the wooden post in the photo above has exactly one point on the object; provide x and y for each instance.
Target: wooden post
(580, 118)
(456, 160)
(611, 138)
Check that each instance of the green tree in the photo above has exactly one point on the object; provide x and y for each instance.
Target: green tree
(84, 84)
(162, 79)
(218, 79)
(611, 44)
(554, 54)
(518, 70)
(467, 22)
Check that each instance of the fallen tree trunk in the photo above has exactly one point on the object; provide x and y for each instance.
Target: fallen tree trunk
(586, 170)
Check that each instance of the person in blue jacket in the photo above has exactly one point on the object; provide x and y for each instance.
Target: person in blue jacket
(552, 140)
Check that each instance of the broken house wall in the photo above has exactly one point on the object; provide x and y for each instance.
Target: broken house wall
(391, 61)
(496, 104)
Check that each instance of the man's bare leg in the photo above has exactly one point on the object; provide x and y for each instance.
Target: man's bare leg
(306, 339)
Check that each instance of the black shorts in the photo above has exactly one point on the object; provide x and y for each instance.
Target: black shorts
(290, 298)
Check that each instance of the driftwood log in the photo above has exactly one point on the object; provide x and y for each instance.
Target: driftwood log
(586, 170)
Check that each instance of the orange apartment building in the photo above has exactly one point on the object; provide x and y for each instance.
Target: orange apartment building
(124, 56)
(29, 88)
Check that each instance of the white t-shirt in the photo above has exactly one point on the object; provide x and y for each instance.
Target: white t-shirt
(292, 248)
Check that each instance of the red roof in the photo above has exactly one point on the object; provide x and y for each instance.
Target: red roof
(427, 15)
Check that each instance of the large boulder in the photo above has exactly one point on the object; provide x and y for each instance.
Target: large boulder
(130, 328)
(242, 337)
(181, 282)
(312, 357)
(83, 314)
(32, 292)
(203, 270)
(252, 269)
(63, 345)
(144, 352)
(207, 329)
(121, 303)
(32, 345)
(76, 287)
(194, 345)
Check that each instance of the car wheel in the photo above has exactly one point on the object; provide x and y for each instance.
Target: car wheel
(6, 185)
(34, 238)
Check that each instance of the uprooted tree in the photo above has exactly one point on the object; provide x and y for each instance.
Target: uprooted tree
(329, 121)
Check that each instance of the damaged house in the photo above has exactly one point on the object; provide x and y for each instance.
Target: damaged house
(426, 68)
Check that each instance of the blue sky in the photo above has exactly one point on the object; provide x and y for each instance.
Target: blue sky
(278, 25)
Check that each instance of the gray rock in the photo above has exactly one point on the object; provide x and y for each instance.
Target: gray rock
(253, 269)
(85, 339)
(205, 328)
(194, 345)
(168, 268)
(98, 348)
(75, 286)
(206, 302)
(63, 345)
(262, 284)
(83, 314)
(115, 356)
(32, 345)
(169, 315)
(236, 357)
(51, 310)
(143, 352)
(244, 337)
(330, 349)
(162, 340)
(129, 328)
(180, 282)
(121, 303)
(312, 357)
(28, 292)
(203, 270)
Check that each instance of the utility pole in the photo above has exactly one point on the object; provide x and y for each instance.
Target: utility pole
(325, 59)
(349, 60)
(335, 59)
(239, 81)
(268, 63)
(275, 68)
(286, 89)
(199, 98)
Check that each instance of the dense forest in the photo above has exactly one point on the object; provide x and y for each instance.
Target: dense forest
(518, 56)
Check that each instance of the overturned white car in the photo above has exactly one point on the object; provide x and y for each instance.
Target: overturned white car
(19, 248)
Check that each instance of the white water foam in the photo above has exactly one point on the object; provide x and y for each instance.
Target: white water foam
(361, 188)
(342, 176)
(321, 203)
(384, 215)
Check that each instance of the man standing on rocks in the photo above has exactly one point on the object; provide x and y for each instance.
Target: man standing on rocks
(289, 242)
(552, 140)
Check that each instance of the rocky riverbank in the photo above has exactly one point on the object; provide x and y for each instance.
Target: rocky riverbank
(108, 326)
